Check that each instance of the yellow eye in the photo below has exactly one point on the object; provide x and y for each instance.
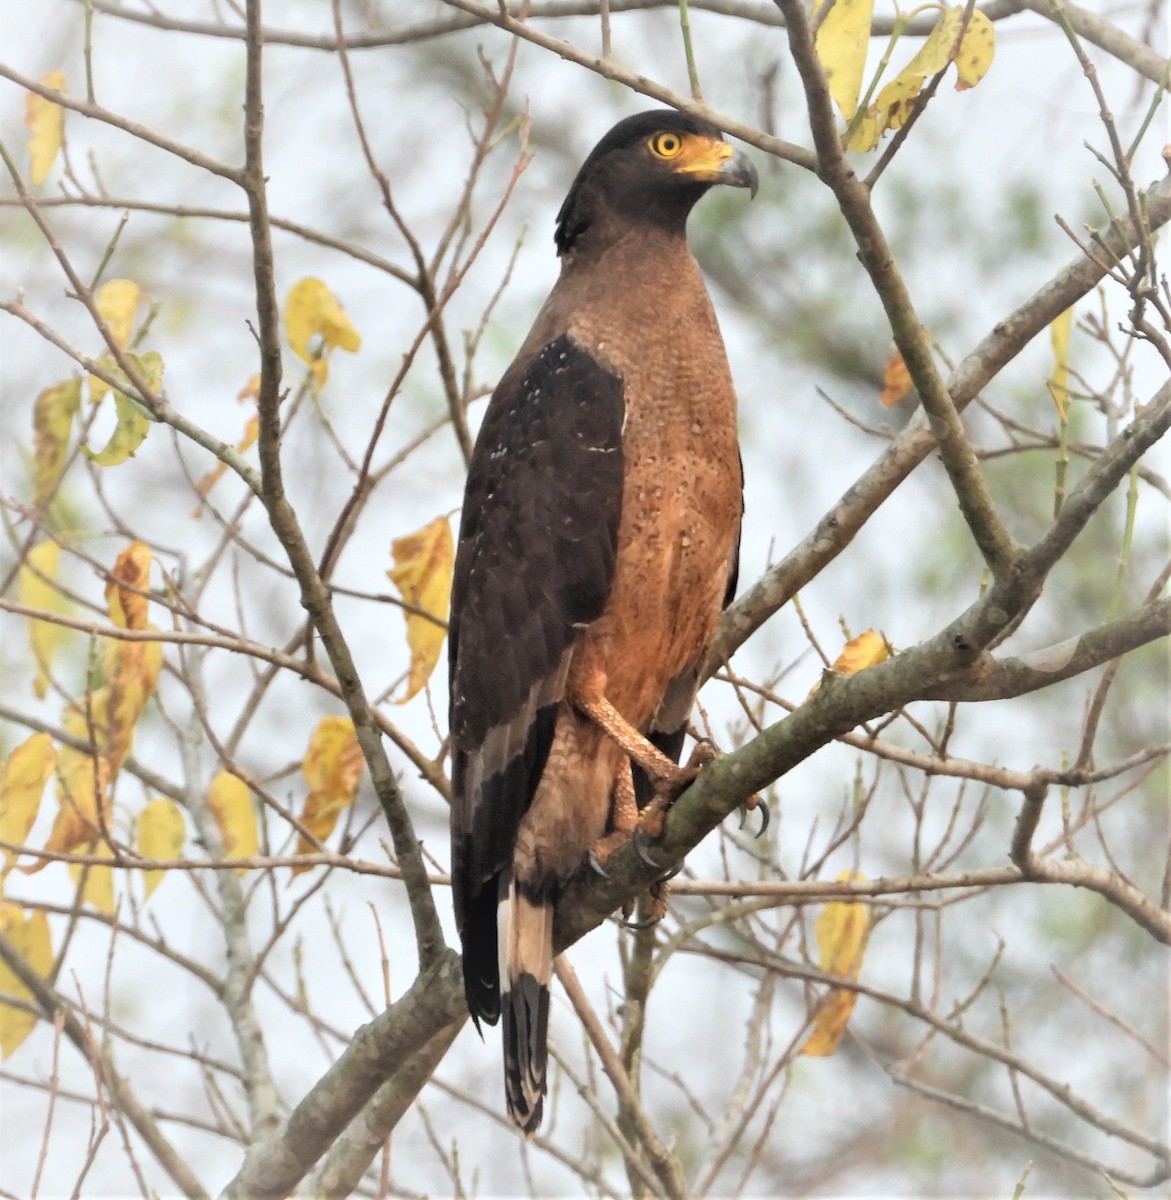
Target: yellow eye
(665, 145)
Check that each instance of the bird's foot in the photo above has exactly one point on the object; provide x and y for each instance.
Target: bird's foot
(605, 848)
(756, 803)
(668, 787)
(653, 906)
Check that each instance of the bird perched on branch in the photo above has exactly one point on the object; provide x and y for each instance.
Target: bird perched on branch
(598, 546)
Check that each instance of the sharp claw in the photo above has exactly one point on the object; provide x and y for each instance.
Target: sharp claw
(640, 846)
(597, 866)
(669, 875)
(765, 817)
(637, 926)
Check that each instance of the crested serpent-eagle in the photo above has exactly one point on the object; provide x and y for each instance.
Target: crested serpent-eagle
(598, 546)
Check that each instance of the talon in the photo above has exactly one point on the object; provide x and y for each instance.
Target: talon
(639, 926)
(755, 803)
(641, 843)
(765, 817)
(596, 864)
(701, 754)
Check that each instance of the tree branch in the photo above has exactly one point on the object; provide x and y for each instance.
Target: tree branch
(1000, 679)
(834, 532)
(144, 133)
(315, 596)
(121, 1093)
(377, 1051)
(959, 459)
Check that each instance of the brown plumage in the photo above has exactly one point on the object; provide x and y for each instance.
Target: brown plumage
(598, 546)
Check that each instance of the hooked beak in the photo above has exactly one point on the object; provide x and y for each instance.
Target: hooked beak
(714, 161)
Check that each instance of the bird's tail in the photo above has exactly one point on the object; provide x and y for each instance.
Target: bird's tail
(526, 965)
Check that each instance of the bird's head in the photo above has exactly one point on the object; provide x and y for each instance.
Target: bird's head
(649, 169)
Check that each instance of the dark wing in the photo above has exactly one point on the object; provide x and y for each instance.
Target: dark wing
(534, 564)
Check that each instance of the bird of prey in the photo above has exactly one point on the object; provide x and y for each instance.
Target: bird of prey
(598, 546)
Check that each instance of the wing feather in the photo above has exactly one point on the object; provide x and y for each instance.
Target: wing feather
(535, 563)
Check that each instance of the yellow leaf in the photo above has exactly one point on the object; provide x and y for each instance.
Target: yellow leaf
(46, 128)
(133, 422)
(129, 578)
(28, 769)
(96, 881)
(896, 100)
(333, 769)
(866, 650)
(976, 51)
(422, 574)
(896, 380)
(131, 674)
(117, 303)
(29, 934)
(843, 40)
(53, 415)
(99, 387)
(312, 312)
(231, 804)
(83, 802)
(321, 826)
(38, 589)
(83, 798)
(1059, 332)
(866, 133)
(332, 765)
(161, 834)
(204, 486)
(842, 930)
(829, 1025)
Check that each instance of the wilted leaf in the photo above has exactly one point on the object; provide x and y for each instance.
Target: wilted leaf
(976, 51)
(332, 768)
(216, 473)
(231, 804)
(46, 128)
(53, 415)
(131, 674)
(83, 796)
(422, 574)
(96, 881)
(842, 930)
(38, 589)
(83, 799)
(866, 650)
(896, 380)
(1059, 332)
(311, 312)
(117, 303)
(28, 769)
(129, 578)
(161, 834)
(897, 99)
(29, 934)
(133, 422)
(843, 40)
